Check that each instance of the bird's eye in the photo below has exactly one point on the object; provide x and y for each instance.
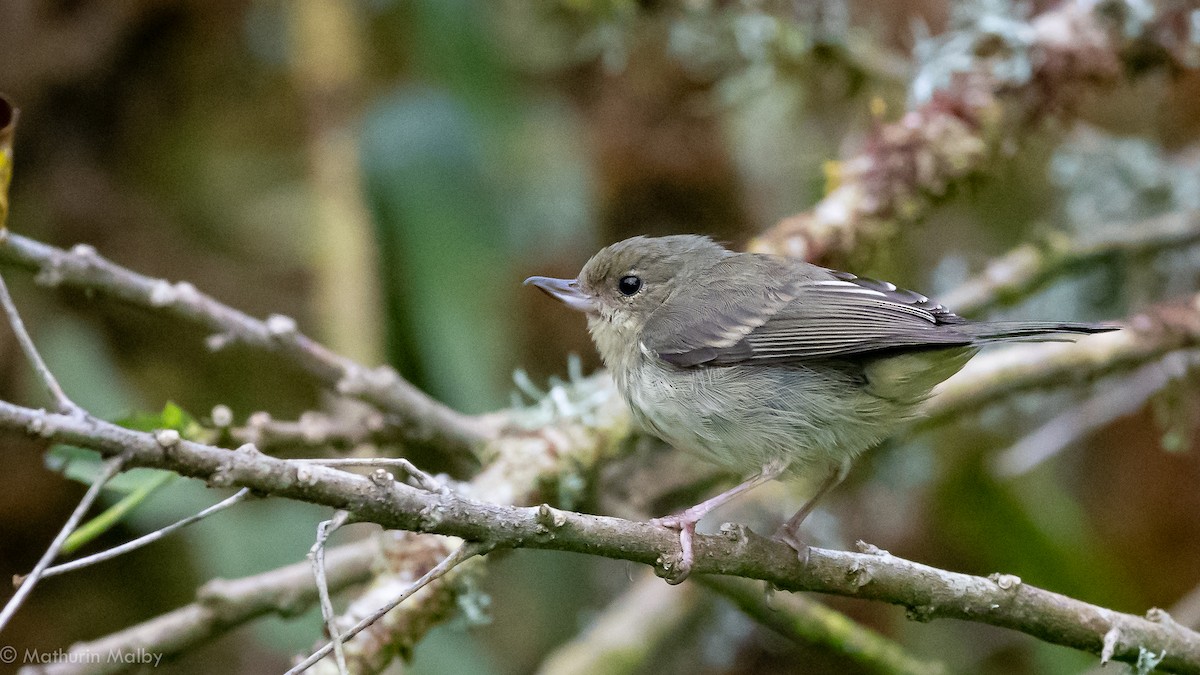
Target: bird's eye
(629, 285)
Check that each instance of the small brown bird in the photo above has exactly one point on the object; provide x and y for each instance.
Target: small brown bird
(766, 365)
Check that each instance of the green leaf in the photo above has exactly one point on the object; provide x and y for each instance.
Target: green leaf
(113, 514)
(85, 466)
(171, 417)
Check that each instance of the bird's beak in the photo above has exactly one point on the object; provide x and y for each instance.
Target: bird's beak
(565, 290)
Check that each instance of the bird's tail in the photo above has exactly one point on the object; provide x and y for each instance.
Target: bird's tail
(1034, 331)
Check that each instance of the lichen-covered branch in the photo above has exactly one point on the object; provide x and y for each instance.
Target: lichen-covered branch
(965, 118)
(462, 553)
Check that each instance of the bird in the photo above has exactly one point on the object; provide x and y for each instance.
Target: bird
(766, 365)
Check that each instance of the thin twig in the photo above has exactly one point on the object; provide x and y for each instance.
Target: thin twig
(398, 462)
(235, 498)
(422, 479)
(317, 556)
(111, 468)
(64, 404)
(315, 429)
(463, 553)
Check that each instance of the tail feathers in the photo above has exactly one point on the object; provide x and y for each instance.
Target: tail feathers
(1034, 331)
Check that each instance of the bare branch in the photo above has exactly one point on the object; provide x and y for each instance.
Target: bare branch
(64, 404)
(422, 418)
(111, 468)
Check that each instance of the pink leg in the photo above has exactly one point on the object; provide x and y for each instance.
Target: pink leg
(686, 521)
(789, 531)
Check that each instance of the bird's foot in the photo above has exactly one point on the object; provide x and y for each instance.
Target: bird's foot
(686, 525)
(791, 537)
(686, 521)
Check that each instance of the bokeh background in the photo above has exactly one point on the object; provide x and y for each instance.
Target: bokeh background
(388, 171)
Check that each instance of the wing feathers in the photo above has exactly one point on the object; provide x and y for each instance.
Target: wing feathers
(754, 308)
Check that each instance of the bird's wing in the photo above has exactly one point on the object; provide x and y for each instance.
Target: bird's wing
(757, 309)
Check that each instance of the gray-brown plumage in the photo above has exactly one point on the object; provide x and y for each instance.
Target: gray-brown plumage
(764, 364)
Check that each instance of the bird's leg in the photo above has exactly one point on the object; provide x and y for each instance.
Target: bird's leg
(789, 532)
(685, 521)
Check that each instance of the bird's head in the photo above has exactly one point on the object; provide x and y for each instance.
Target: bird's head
(623, 284)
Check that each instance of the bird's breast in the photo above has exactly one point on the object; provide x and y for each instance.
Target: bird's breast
(743, 417)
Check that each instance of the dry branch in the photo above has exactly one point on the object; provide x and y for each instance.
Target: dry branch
(422, 418)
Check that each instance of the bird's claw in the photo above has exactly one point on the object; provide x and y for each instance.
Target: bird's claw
(792, 539)
(679, 571)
